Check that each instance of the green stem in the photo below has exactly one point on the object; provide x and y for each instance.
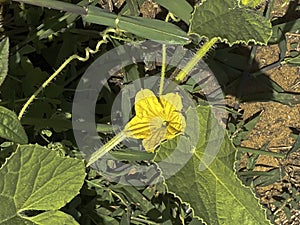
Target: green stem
(36, 93)
(106, 148)
(88, 51)
(262, 152)
(59, 5)
(199, 55)
(163, 70)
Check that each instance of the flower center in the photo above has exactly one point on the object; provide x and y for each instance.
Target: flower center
(165, 124)
(158, 123)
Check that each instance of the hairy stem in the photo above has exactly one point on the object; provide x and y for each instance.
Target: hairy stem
(45, 84)
(106, 148)
(199, 55)
(163, 70)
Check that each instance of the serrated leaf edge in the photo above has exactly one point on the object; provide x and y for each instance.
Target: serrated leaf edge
(35, 145)
(225, 40)
(235, 175)
(13, 117)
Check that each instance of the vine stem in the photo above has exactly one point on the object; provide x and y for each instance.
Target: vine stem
(163, 70)
(106, 148)
(82, 59)
(199, 55)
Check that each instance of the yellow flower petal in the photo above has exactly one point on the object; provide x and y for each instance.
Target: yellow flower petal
(146, 104)
(176, 126)
(154, 140)
(171, 101)
(156, 119)
(138, 128)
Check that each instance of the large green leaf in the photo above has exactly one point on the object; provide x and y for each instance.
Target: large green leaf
(226, 20)
(10, 127)
(4, 46)
(215, 193)
(156, 30)
(35, 178)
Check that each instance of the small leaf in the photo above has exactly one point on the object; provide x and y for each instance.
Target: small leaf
(4, 50)
(269, 177)
(280, 29)
(252, 121)
(282, 47)
(230, 23)
(294, 60)
(35, 178)
(296, 146)
(10, 127)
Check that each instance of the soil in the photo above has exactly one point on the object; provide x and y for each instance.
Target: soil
(273, 129)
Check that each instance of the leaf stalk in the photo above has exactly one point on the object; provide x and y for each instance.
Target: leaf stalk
(198, 56)
(106, 148)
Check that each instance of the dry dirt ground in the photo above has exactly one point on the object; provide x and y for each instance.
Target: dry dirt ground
(273, 129)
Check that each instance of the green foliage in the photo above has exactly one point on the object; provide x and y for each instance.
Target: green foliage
(36, 180)
(216, 194)
(293, 60)
(152, 29)
(4, 50)
(10, 127)
(42, 186)
(239, 131)
(224, 19)
(285, 203)
(281, 28)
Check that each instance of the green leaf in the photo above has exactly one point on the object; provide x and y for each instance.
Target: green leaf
(4, 50)
(10, 127)
(53, 217)
(35, 178)
(287, 98)
(293, 60)
(252, 121)
(280, 29)
(296, 145)
(215, 193)
(152, 29)
(133, 7)
(126, 9)
(270, 177)
(226, 20)
(180, 8)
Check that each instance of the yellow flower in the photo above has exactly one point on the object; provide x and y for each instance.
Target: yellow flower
(156, 119)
